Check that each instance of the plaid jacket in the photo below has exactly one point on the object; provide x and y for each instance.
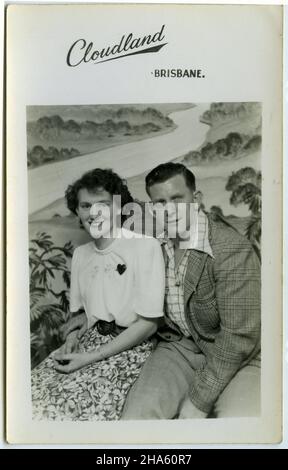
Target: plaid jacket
(222, 309)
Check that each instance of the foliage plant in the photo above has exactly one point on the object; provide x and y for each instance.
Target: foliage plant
(49, 308)
(245, 187)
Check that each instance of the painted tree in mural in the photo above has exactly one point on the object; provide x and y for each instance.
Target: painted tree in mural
(49, 308)
(245, 187)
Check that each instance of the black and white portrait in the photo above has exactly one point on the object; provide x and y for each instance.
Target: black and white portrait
(143, 328)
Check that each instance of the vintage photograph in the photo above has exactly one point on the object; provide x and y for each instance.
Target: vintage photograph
(144, 224)
(136, 326)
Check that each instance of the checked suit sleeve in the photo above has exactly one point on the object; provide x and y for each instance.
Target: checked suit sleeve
(237, 290)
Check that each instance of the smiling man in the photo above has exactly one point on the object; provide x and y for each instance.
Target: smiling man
(207, 361)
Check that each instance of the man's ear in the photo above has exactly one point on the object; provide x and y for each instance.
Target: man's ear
(198, 197)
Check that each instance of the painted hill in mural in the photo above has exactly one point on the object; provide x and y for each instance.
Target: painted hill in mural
(235, 132)
(57, 133)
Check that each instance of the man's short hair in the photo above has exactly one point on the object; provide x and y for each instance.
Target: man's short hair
(165, 171)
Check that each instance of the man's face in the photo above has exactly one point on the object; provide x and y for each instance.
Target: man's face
(95, 210)
(175, 198)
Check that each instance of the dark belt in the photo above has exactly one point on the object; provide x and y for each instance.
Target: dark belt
(108, 328)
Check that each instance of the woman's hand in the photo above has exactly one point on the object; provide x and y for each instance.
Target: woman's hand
(139, 331)
(67, 363)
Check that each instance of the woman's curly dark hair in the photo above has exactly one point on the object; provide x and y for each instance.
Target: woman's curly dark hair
(105, 179)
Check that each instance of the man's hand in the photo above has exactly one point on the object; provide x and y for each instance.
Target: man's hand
(76, 323)
(189, 411)
(67, 363)
(71, 343)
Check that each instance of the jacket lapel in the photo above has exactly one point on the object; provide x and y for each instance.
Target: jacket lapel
(195, 266)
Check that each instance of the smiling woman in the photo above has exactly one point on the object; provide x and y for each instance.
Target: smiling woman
(89, 377)
(96, 212)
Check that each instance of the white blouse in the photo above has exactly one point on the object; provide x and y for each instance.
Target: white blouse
(120, 282)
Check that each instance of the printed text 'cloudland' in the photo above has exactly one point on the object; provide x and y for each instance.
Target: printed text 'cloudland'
(83, 51)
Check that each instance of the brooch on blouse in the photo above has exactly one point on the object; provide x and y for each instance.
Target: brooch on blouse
(121, 268)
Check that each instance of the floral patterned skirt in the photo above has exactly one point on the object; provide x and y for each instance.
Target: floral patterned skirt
(95, 392)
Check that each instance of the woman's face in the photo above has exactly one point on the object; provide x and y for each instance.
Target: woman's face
(95, 210)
